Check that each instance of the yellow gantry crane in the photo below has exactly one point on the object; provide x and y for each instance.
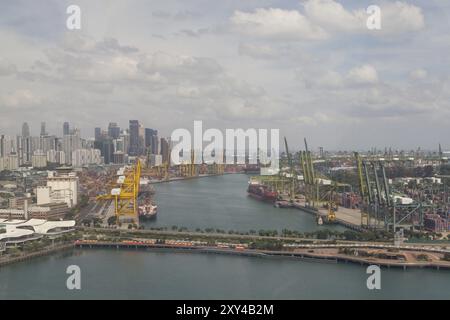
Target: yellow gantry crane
(363, 188)
(126, 193)
(292, 174)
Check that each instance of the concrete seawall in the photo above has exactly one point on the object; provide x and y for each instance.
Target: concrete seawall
(28, 256)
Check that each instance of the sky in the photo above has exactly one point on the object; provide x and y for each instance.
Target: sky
(309, 68)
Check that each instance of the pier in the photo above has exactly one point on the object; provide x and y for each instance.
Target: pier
(349, 218)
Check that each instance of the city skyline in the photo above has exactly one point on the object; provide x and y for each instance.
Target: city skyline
(148, 142)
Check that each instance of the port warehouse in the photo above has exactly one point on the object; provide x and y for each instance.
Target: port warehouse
(17, 232)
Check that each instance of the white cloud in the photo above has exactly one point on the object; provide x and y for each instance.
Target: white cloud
(257, 51)
(22, 98)
(321, 18)
(418, 74)
(188, 92)
(332, 16)
(396, 17)
(331, 79)
(180, 66)
(6, 68)
(276, 23)
(399, 17)
(365, 74)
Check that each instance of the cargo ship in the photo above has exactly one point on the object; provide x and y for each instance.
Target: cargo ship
(148, 211)
(261, 192)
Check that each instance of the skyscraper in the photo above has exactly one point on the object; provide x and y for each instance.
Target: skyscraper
(113, 130)
(71, 142)
(151, 140)
(165, 150)
(43, 132)
(25, 130)
(98, 134)
(134, 138)
(106, 147)
(66, 128)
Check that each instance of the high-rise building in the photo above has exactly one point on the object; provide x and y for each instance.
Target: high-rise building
(7, 145)
(25, 130)
(85, 157)
(10, 162)
(47, 143)
(141, 139)
(165, 150)
(106, 147)
(66, 128)
(125, 137)
(98, 134)
(71, 142)
(119, 158)
(134, 138)
(155, 160)
(43, 131)
(151, 140)
(113, 130)
(39, 159)
(27, 149)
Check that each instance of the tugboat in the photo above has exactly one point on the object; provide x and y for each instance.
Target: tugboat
(319, 220)
(148, 211)
(282, 204)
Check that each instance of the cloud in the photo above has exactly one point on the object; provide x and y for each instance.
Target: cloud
(6, 67)
(276, 23)
(322, 18)
(17, 99)
(418, 74)
(257, 51)
(330, 79)
(365, 74)
(396, 17)
(400, 17)
(233, 65)
(333, 17)
(180, 67)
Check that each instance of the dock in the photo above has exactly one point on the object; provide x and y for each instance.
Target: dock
(349, 218)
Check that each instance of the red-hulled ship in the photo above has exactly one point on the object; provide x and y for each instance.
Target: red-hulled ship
(261, 192)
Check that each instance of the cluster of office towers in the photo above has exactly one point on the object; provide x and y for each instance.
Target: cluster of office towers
(26, 149)
(113, 145)
(117, 144)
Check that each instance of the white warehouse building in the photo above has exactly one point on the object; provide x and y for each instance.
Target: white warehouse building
(59, 188)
